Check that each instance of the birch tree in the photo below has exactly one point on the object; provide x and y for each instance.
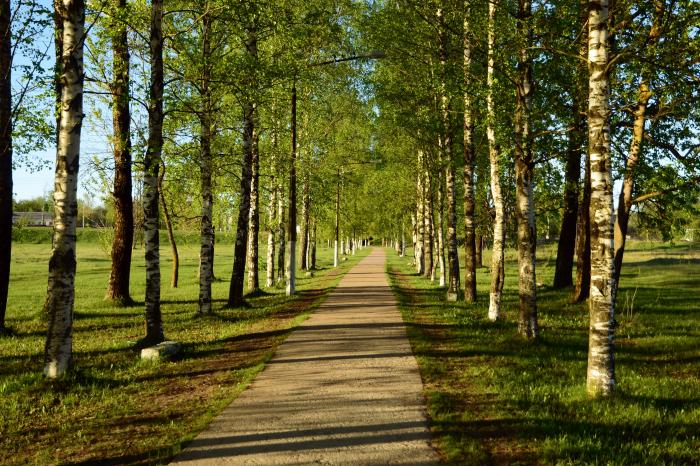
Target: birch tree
(525, 209)
(497, 255)
(61, 284)
(151, 167)
(601, 369)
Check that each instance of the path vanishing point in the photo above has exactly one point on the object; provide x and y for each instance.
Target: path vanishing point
(344, 388)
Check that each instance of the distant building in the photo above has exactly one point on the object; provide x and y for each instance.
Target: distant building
(32, 219)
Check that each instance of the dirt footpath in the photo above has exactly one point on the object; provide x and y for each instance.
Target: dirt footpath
(344, 388)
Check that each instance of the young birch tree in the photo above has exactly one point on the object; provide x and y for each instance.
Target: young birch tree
(61, 284)
(525, 209)
(497, 254)
(5, 155)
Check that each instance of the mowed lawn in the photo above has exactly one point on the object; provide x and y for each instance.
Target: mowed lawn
(495, 398)
(115, 409)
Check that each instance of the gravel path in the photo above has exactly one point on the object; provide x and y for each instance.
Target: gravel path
(344, 388)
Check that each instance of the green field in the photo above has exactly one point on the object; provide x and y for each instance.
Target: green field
(495, 398)
(113, 407)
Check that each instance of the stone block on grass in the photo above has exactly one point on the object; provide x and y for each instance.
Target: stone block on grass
(163, 350)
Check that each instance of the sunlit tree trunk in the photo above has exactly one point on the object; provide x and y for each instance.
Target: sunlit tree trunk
(292, 226)
(336, 230)
(254, 221)
(469, 164)
(312, 255)
(272, 220)
(305, 224)
(122, 244)
(5, 156)
(235, 295)
(281, 229)
(497, 255)
(62, 263)
(453, 286)
(583, 239)
(601, 368)
(428, 227)
(167, 218)
(525, 209)
(206, 249)
(151, 165)
(420, 216)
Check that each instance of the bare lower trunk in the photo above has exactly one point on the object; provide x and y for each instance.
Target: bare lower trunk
(601, 368)
(336, 230)
(151, 162)
(281, 232)
(312, 255)
(305, 225)
(122, 244)
(5, 156)
(428, 228)
(175, 273)
(469, 164)
(419, 251)
(271, 227)
(254, 226)
(583, 240)
(235, 297)
(206, 247)
(479, 249)
(497, 255)
(525, 210)
(60, 293)
(292, 227)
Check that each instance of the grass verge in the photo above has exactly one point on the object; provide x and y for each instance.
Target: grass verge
(114, 408)
(493, 398)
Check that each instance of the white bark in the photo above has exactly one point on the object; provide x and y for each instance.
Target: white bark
(60, 294)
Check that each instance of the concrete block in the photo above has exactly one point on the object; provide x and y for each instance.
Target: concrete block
(166, 349)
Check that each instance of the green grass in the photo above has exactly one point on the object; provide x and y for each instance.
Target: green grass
(495, 398)
(113, 408)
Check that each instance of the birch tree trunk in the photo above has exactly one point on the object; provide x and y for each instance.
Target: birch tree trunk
(420, 217)
(235, 295)
(527, 234)
(5, 156)
(336, 231)
(206, 250)
(62, 263)
(151, 165)
(469, 164)
(175, 271)
(428, 228)
(312, 254)
(254, 222)
(497, 256)
(305, 224)
(583, 239)
(122, 244)
(292, 243)
(454, 286)
(601, 369)
(281, 230)
(272, 221)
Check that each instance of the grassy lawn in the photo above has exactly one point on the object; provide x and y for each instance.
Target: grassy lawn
(494, 398)
(115, 409)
